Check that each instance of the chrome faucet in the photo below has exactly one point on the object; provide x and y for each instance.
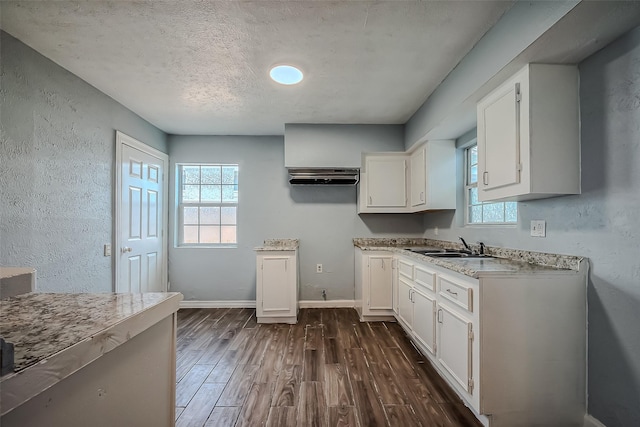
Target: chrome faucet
(482, 247)
(465, 244)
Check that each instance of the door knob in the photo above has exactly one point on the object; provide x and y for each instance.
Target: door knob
(126, 249)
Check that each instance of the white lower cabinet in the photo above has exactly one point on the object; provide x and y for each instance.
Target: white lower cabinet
(276, 287)
(374, 285)
(513, 346)
(424, 314)
(405, 303)
(455, 346)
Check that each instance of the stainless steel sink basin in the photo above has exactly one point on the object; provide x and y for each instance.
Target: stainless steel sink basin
(447, 253)
(457, 255)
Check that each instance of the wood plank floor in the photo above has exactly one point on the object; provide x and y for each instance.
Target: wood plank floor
(328, 370)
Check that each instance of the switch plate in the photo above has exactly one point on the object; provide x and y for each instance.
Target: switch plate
(107, 249)
(538, 228)
(318, 268)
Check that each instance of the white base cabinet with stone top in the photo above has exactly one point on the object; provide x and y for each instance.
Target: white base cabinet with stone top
(277, 282)
(374, 271)
(513, 346)
(90, 359)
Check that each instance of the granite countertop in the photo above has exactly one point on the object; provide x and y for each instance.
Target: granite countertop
(40, 325)
(503, 261)
(279, 245)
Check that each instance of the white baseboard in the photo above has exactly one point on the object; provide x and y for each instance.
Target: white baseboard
(336, 303)
(590, 421)
(339, 303)
(218, 304)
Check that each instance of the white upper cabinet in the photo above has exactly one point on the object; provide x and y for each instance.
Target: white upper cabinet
(433, 176)
(383, 183)
(528, 135)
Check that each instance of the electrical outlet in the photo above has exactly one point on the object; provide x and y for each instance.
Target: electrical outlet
(318, 268)
(538, 228)
(107, 250)
(435, 231)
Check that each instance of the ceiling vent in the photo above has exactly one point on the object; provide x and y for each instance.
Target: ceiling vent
(323, 176)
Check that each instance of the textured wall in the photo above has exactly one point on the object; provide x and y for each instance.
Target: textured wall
(601, 224)
(323, 218)
(57, 150)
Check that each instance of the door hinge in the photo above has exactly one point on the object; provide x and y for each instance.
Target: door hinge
(471, 336)
(519, 167)
(471, 385)
(518, 97)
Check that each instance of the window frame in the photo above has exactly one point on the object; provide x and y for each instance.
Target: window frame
(467, 200)
(179, 220)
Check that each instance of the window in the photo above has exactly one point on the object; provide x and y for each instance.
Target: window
(484, 212)
(207, 205)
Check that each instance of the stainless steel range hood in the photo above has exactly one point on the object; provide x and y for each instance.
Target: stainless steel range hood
(323, 176)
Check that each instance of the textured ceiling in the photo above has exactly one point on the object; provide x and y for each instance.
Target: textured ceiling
(202, 67)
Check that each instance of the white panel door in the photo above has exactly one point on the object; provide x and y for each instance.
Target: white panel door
(499, 144)
(386, 182)
(405, 302)
(424, 317)
(380, 283)
(454, 345)
(276, 295)
(141, 248)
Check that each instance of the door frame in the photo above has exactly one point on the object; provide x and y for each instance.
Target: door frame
(123, 139)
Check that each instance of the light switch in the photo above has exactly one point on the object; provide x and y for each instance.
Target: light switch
(107, 249)
(538, 228)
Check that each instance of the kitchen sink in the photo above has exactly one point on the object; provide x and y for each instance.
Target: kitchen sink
(447, 253)
(456, 255)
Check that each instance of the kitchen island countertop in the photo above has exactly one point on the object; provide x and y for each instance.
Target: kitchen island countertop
(55, 335)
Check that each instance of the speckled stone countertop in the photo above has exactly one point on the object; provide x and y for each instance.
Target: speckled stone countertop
(40, 325)
(504, 261)
(279, 245)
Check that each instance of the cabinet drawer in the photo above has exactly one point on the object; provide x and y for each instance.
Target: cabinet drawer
(425, 278)
(405, 269)
(459, 293)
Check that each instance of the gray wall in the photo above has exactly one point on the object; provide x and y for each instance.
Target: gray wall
(323, 218)
(601, 224)
(57, 151)
(337, 146)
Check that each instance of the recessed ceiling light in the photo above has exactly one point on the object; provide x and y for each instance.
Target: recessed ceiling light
(286, 74)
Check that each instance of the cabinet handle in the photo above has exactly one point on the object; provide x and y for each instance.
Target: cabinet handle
(422, 196)
(285, 265)
(411, 295)
(485, 178)
(439, 317)
(382, 261)
(452, 293)
(370, 200)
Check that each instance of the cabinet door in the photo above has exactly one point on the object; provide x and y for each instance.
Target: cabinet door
(499, 139)
(405, 304)
(386, 182)
(380, 283)
(424, 320)
(276, 289)
(455, 338)
(419, 177)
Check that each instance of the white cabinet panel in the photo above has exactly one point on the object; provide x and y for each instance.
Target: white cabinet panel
(374, 285)
(274, 279)
(501, 148)
(386, 182)
(380, 279)
(405, 304)
(424, 316)
(455, 346)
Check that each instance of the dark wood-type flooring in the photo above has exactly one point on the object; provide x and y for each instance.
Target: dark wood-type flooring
(328, 370)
